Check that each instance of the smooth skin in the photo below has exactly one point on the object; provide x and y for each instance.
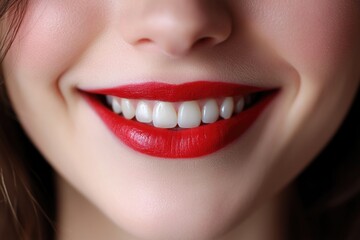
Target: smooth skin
(309, 49)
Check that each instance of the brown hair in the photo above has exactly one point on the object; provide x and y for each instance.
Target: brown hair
(27, 199)
(328, 191)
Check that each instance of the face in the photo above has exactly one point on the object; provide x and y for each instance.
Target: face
(307, 50)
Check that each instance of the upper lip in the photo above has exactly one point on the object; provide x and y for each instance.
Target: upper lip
(178, 92)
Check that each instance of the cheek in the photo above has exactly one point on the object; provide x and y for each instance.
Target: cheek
(317, 38)
(52, 35)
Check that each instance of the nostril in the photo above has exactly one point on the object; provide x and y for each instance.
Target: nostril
(143, 41)
(204, 42)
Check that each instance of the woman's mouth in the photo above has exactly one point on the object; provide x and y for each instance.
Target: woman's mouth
(179, 121)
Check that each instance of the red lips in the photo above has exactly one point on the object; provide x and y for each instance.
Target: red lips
(179, 143)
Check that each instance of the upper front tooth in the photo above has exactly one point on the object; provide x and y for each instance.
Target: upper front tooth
(189, 115)
(127, 108)
(143, 112)
(227, 108)
(164, 115)
(115, 104)
(240, 105)
(210, 111)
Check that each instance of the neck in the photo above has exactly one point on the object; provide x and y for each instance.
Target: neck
(80, 219)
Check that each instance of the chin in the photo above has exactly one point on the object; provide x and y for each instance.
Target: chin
(176, 220)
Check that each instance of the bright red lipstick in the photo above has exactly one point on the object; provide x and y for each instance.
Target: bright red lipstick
(179, 143)
(181, 92)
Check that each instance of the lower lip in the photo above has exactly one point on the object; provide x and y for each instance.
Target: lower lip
(180, 143)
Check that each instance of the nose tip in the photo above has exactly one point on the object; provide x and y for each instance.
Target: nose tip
(179, 27)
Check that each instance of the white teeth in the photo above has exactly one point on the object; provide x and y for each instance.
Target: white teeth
(115, 104)
(189, 115)
(127, 108)
(227, 108)
(210, 111)
(240, 105)
(164, 115)
(143, 112)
